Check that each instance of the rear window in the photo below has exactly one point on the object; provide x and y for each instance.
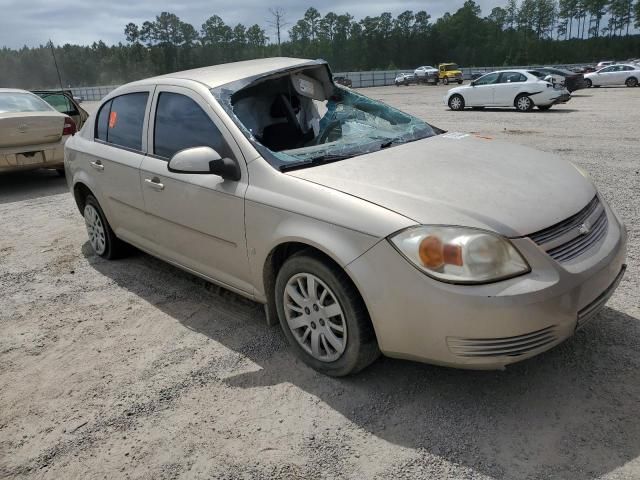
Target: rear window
(121, 119)
(14, 102)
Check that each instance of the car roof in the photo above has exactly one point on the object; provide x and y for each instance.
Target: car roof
(216, 75)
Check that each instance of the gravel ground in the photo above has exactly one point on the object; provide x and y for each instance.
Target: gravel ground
(134, 369)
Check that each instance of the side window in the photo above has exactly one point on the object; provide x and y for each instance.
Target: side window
(488, 79)
(102, 122)
(512, 77)
(606, 70)
(126, 119)
(120, 120)
(180, 123)
(61, 103)
(627, 68)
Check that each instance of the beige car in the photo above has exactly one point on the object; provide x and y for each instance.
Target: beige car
(32, 132)
(361, 229)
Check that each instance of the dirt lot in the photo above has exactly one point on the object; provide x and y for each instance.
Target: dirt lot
(134, 369)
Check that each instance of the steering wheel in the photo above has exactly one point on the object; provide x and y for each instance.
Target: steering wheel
(323, 136)
(291, 115)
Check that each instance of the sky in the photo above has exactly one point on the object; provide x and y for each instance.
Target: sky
(34, 22)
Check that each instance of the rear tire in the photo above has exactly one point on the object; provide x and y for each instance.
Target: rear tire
(323, 316)
(523, 103)
(445, 81)
(459, 82)
(544, 107)
(101, 237)
(631, 82)
(60, 171)
(456, 102)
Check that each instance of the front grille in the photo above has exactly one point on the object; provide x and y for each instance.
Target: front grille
(570, 238)
(505, 346)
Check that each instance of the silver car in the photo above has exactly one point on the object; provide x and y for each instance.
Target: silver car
(32, 132)
(362, 229)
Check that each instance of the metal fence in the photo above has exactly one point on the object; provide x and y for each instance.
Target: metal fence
(374, 78)
(88, 94)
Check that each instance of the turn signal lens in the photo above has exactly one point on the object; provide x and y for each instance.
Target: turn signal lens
(459, 254)
(434, 254)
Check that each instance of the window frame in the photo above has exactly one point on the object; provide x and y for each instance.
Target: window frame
(504, 74)
(206, 108)
(145, 123)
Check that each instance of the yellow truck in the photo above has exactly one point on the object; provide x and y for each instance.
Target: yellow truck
(449, 72)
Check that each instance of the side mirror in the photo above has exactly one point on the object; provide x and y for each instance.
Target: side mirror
(204, 161)
(473, 83)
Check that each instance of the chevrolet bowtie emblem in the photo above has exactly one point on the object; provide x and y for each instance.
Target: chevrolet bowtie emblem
(584, 229)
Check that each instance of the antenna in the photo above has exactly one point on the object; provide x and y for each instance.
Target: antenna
(53, 53)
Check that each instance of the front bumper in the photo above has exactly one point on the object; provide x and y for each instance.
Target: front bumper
(486, 326)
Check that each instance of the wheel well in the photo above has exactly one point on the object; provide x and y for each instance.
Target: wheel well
(630, 77)
(80, 193)
(276, 259)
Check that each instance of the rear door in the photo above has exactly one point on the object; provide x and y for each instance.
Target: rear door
(507, 88)
(196, 221)
(114, 159)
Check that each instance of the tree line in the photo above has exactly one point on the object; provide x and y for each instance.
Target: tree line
(521, 32)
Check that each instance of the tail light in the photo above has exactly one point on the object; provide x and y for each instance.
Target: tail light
(69, 126)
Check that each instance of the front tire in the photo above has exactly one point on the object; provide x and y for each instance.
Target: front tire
(445, 81)
(588, 83)
(323, 316)
(456, 102)
(631, 82)
(101, 237)
(523, 103)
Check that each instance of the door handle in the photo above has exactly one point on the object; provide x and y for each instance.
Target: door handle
(154, 183)
(97, 165)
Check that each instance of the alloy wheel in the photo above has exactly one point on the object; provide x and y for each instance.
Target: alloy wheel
(315, 317)
(455, 103)
(95, 229)
(523, 104)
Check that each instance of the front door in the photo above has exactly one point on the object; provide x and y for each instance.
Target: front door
(194, 220)
(481, 92)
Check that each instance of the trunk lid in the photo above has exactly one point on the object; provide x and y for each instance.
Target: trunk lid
(30, 128)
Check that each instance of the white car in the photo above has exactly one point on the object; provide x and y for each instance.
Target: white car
(624, 74)
(426, 73)
(404, 79)
(604, 63)
(507, 88)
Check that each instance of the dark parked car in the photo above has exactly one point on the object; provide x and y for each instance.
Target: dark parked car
(570, 80)
(343, 81)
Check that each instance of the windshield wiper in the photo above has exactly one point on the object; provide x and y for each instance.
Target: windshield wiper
(314, 162)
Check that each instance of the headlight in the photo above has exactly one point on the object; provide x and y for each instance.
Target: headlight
(459, 254)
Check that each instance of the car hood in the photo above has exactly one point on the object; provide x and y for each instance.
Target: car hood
(460, 179)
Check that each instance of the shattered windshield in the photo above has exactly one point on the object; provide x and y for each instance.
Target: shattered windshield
(304, 119)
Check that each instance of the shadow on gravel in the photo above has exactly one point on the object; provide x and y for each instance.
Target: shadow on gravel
(17, 186)
(569, 413)
(551, 111)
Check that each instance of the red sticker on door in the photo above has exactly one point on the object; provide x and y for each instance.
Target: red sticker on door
(113, 118)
